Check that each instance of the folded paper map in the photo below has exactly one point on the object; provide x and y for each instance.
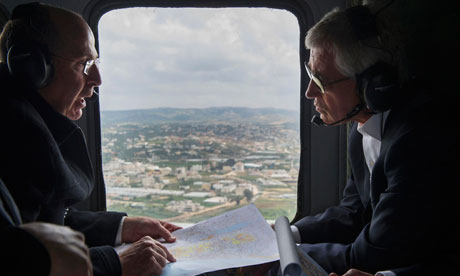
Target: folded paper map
(236, 238)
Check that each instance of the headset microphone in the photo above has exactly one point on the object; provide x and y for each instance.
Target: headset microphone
(317, 121)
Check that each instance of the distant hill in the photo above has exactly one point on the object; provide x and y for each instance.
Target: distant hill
(201, 115)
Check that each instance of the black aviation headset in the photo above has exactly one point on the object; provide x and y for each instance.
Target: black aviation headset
(29, 61)
(378, 86)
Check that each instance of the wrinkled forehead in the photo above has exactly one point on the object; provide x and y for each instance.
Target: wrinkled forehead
(321, 58)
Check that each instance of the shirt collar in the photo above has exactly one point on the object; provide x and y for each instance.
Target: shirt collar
(374, 125)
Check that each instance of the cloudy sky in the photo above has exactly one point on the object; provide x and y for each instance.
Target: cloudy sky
(166, 57)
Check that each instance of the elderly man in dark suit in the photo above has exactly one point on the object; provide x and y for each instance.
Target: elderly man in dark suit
(397, 210)
(48, 69)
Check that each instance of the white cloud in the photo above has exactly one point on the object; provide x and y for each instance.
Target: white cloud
(181, 57)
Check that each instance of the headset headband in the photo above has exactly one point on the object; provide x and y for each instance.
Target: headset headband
(362, 21)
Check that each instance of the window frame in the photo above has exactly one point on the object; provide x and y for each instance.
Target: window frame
(320, 185)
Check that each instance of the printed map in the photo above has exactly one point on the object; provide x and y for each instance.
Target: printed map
(237, 238)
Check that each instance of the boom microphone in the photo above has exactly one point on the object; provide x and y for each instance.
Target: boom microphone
(317, 121)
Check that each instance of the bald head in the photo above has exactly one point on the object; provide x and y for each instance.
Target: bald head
(50, 26)
(69, 27)
(71, 54)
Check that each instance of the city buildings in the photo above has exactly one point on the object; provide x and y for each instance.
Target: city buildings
(177, 169)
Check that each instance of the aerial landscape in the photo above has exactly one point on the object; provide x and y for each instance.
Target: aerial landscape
(186, 165)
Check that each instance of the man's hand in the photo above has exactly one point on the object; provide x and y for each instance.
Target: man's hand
(135, 228)
(144, 257)
(66, 247)
(352, 272)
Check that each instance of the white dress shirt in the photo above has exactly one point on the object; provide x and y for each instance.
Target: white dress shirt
(372, 136)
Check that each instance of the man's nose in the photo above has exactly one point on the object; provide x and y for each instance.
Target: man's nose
(94, 77)
(313, 91)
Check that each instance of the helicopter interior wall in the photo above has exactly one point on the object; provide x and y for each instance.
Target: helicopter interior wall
(323, 161)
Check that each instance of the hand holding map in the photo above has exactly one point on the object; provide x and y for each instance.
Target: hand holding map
(236, 238)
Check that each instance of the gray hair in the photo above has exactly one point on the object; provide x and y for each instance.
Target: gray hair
(352, 56)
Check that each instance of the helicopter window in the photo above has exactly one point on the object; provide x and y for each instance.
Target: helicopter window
(200, 111)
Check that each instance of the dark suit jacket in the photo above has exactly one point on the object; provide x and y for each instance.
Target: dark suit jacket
(45, 164)
(18, 246)
(404, 214)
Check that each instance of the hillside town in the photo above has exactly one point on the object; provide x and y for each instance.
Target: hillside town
(189, 172)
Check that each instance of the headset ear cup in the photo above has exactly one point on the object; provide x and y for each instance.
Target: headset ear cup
(29, 64)
(380, 86)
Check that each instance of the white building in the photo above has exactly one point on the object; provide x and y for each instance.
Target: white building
(197, 194)
(216, 200)
(238, 167)
(183, 206)
(229, 188)
(217, 186)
